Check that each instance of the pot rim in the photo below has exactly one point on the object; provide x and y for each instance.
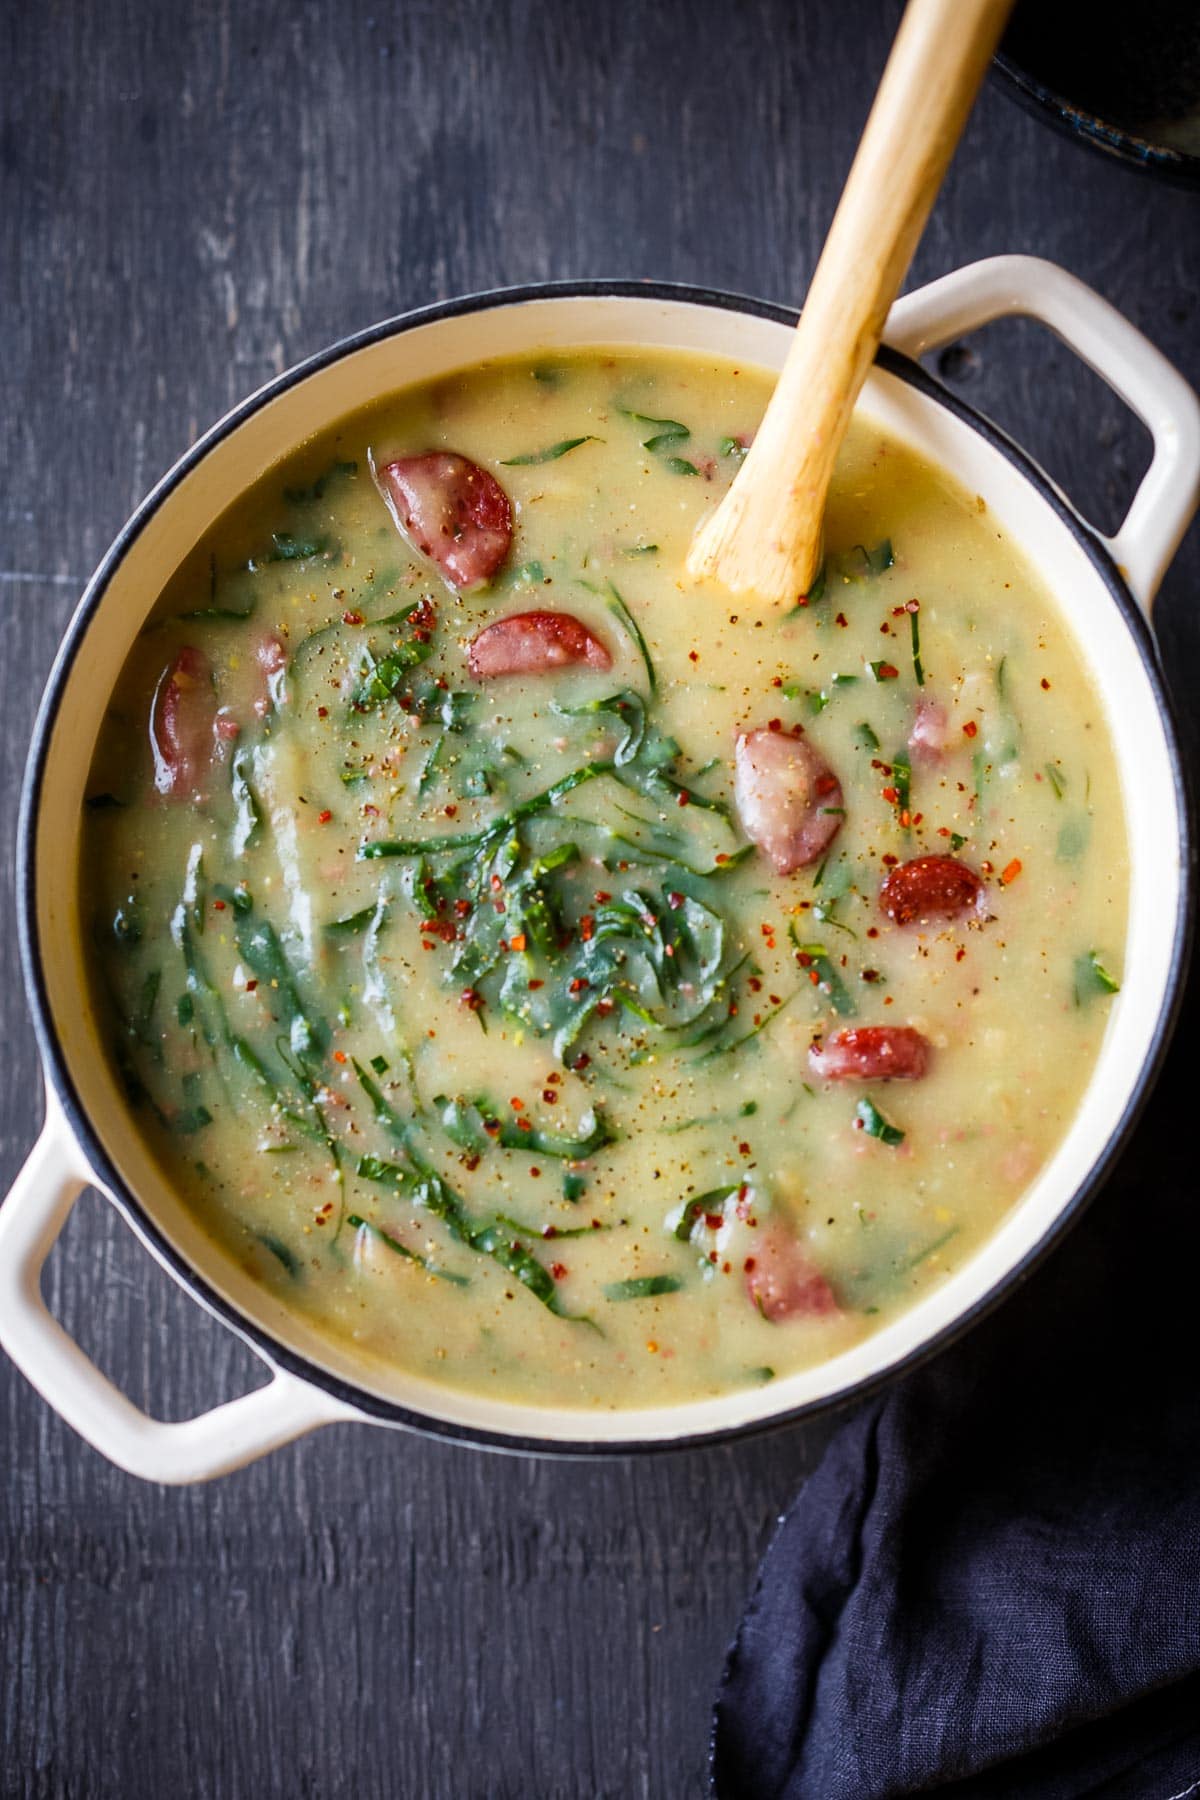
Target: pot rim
(375, 1407)
(1162, 162)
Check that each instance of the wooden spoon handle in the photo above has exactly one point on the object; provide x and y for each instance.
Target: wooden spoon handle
(765, 537)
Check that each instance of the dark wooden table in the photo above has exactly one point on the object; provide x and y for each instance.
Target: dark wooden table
(192, 198)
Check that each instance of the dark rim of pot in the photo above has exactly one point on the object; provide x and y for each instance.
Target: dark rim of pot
(373, 1406)
(1178, 167)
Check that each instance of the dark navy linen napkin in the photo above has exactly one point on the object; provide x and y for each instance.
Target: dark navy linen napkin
(991, 1585)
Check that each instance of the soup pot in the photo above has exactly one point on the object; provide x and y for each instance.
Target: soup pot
(1104, 587)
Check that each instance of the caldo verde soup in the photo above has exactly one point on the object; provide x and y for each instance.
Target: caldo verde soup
(564, 982)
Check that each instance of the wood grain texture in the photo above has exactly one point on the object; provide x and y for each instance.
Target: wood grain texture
(190, 199)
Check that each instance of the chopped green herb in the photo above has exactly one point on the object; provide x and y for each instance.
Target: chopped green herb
(305, 496)
(642, 1287)
(550, 454)
(829, 980)
(622, 614)
(667, 431)
(1073, 837)
(1092, 978)
(684, 1219)
(866, 737)
(1057, 779)
(915, 629)
(280, 1251)
(871, 1120)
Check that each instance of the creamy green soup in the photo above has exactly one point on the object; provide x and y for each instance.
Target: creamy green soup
(562, 981)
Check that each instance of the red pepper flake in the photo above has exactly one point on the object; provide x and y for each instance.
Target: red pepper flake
(743, 1149)
(497, 884)
(693, 656)
(558, 1270)
(683, 799)
(750, 1265)
(324, 817)
(536, 984)
(1045, 684)
(754, 984)
(218, 906)
(586, 925)
(535, 1172)
(887, 672)
(889, 859)
(322, 712)
(890, 794)
(451, 812)
(722, 856)
(605, 1007)
(905, 818)
(777, 681)
(352, 618)
(250, 986)
(549, 1096)
(872, 931)
(870, 974)
(774, 724)
(675, 901)
(577, 984)
(339, 1056)
(814, 978)
(580, 1063)
(841, 619)
(970, 728)
(1009, 874)
(517, 1105)
(517, 942)
(714, 1221)
(602, 895)
(959, 953)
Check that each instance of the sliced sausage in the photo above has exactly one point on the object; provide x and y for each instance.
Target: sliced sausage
(452, 510)
(871, 1053)
(532, 643)
(271, 658)
(931, 887)
(788, 798)
(782, 1280)
(931, 737)
(183, 724)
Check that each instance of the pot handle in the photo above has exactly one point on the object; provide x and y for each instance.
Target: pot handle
(216, 1442)
(1164, 503)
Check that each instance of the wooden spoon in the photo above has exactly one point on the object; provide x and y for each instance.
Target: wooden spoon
(765, 538)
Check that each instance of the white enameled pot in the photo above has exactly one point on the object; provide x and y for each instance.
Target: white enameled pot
(1104, 588)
